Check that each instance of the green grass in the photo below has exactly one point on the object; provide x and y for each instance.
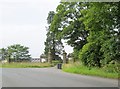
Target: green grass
(77, 68)
(0, 64)
(55, 62)
(25, 65)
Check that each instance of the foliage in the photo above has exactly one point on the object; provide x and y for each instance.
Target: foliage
(112, 67)
(81, 69)
(110, 51)
(16, 52)
(3, 53)
(67, 26)
(90, 54)
(50, 17)
(92, 29)
(101, 20)
(75, 55)
(52, 44)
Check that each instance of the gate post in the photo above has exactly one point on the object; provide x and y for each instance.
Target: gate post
(40, 59)
(49, 57)
(65, 60)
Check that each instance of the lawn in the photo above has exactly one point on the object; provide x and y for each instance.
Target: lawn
(25, 65)
(77, 68)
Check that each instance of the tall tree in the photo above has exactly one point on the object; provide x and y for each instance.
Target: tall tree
(66, 25)
(3, 53)
(52, 44)
(93, 29)
(18, 52)
(101, 20)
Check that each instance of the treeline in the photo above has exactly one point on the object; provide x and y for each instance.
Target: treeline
(91, 28)
(15, 53)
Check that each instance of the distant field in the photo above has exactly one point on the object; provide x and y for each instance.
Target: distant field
(25, 65)
(80, 69)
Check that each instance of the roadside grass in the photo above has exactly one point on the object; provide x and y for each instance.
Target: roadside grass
(25, 65)
(28, 64)
(0, 64)
(78, 68)
(55, 62)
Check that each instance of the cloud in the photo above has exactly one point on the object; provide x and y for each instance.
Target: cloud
(21, 12)
(31, 1)
(23, 22)
(30, 36)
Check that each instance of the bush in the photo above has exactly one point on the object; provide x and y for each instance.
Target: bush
(90, 54)
(111, 51)
(75, 55)
(112, 67)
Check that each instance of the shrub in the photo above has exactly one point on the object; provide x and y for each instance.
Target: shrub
(90, 54)
(112, 67)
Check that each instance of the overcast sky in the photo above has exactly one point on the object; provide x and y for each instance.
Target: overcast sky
(23, 22)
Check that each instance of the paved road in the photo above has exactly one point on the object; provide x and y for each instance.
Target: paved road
(50, 77)
(0, 78)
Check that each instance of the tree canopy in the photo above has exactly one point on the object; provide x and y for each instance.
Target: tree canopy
(15, 52)
(91, 28)
(52, 44)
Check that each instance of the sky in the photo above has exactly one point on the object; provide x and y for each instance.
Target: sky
(23, 22)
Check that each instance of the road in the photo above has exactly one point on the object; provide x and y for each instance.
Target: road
(50, 77)
(0, 78)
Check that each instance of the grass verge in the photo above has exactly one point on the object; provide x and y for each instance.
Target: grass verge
(25, 65)
(0, 64)
(77, 68)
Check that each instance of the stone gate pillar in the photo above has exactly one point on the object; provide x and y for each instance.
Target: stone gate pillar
(40, 59)
(49, 57)
(65, 60)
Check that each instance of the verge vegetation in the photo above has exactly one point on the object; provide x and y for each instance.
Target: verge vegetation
(93, 30)
(78, 68)
(25, 65)
(0, 64)
(28, 64)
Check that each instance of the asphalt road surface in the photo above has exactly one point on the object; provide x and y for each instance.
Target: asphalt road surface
(51, 77)
(0, 78)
